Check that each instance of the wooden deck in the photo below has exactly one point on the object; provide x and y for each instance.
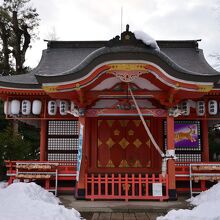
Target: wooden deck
(123, 216)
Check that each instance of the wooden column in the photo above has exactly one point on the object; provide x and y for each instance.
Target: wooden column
(43, 139)
(171, 162)
(81, 181)
(205, 141)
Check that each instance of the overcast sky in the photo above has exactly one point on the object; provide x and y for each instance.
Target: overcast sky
(101, 20)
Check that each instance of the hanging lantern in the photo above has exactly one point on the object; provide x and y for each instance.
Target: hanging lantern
(7, 107)
(63, 107)
(72, 106)
(212, 107)
(185, 108)
(200, 108)
(26, 107)
(15, 107)
(52, 107)
(74, 109)
(36, 107)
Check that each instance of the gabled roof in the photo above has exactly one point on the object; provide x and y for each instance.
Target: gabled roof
(71, 60)
(60, 57)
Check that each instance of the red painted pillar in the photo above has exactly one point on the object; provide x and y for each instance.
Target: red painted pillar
(205, 141)
(171, 162)
(43, 139)
(81, 181)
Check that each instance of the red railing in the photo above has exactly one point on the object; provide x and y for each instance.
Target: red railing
(182, 169)
(66, 171)
(125, 186)
(183, 176)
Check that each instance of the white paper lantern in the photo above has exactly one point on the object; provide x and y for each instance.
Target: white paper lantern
(15, 107)
(26, 107)
(212, 107)
(52, 107)
(72, 106)
(7, 107)
(185, 108)
(63, 107)
(200, 108)
(36, 107)
(74, 109)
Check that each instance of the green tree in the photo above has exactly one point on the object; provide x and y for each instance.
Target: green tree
(17, 147)
(18, 25)
(214, 142)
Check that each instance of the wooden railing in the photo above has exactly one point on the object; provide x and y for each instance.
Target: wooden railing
(66, 171)
(183, 176)
(125, 186)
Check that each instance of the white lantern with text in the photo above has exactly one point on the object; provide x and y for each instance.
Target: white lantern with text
(26, 107)
(212, 107)
(185, 108)
(63, 107)
(52, 107)
(200, 108)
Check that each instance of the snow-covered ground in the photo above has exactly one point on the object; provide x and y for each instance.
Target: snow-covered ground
(207, 207)
(25, 201)
(28, 201)
(3, 185)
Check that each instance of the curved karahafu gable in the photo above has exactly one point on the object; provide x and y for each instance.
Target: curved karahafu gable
(64, 62)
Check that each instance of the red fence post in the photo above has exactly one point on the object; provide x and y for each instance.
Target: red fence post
(99, 185)
(113, 185)
(106, 184)
(86, 185)
(126, 187)
(140, 185)
(119, 184)
(146, 187)
(133, 185)
(92, 187)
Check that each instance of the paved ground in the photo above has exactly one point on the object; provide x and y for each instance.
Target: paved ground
(121, 216)
(121, 210)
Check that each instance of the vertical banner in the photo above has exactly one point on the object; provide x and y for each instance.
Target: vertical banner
(79, 155)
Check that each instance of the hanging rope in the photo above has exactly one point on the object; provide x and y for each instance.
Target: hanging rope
(145, 126)
(170, 154)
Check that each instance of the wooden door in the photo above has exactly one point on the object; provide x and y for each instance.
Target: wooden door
(123, 144)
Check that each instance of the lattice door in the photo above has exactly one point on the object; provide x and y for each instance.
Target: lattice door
(62, 140)
(123, 143)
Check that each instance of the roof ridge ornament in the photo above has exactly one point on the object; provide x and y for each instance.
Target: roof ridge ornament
(127, 38)
(127, 27)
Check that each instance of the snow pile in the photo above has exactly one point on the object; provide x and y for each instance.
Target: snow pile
(210, 195)
(3, 185)
(207, 207)
(25, 201)
(147, 39)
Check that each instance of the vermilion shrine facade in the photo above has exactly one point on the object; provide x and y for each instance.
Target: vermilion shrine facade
(111, 111)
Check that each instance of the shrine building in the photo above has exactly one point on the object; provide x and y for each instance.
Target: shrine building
(119, 119)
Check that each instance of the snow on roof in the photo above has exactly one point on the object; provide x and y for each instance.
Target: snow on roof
(207, 207)
(25, 201)
(147, 39)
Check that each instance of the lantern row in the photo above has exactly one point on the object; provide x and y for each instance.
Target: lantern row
(26, 107)
(200, 107)
(14, 107)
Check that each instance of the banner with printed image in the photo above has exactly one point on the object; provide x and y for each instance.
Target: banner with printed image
(79, 155)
